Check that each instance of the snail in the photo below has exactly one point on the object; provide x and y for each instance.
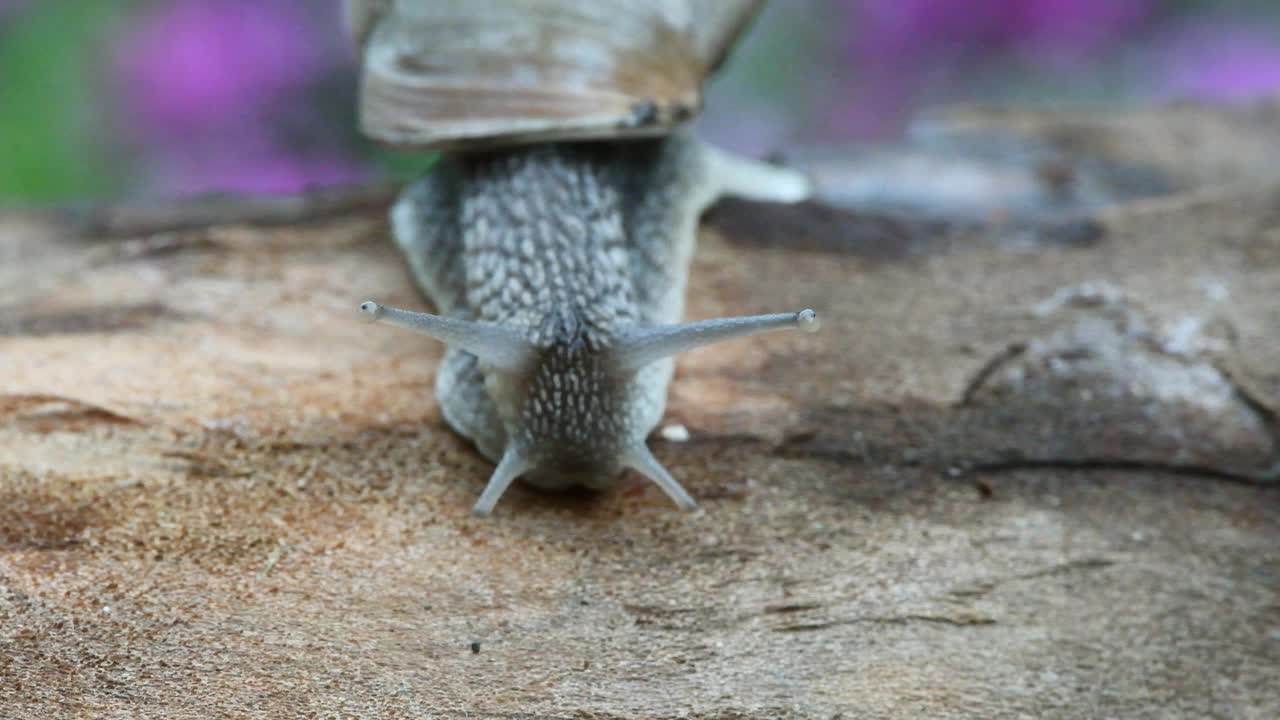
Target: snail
(554, 235)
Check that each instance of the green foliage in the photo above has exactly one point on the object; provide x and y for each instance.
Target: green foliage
(400, 166)
(50, 133)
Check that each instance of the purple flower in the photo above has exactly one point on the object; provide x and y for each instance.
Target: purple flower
(914, 30)
(270, 175)
(191, 63)
(1222, 63)
(908, 29)
(11, 7)
(898, 49)
(251, 164)
(266, 174)
(214, 89)
(1075, 26)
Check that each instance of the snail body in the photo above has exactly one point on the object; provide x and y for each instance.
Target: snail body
(558, 269)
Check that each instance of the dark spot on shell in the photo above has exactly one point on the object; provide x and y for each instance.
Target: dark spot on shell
(643, 113)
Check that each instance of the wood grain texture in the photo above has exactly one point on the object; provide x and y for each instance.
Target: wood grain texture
(1007, 479)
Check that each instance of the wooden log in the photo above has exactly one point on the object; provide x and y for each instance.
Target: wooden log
(1010, 477)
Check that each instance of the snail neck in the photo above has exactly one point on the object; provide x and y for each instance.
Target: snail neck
(546, 241)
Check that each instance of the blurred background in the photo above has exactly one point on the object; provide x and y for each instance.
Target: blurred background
(133, 98)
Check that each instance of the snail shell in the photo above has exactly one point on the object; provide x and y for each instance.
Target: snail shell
(439, 75)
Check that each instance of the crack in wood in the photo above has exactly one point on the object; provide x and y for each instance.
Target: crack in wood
(46, 412)
(960, 620)
(984, 373)
(792, 607)
(983, 587)
(1267, 479)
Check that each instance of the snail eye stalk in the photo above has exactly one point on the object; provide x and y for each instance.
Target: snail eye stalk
(496, 346)
(641, 347)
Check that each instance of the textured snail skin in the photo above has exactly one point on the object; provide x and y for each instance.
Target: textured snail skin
(558, 270)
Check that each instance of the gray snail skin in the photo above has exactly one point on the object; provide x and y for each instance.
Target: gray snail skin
(556, 258)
